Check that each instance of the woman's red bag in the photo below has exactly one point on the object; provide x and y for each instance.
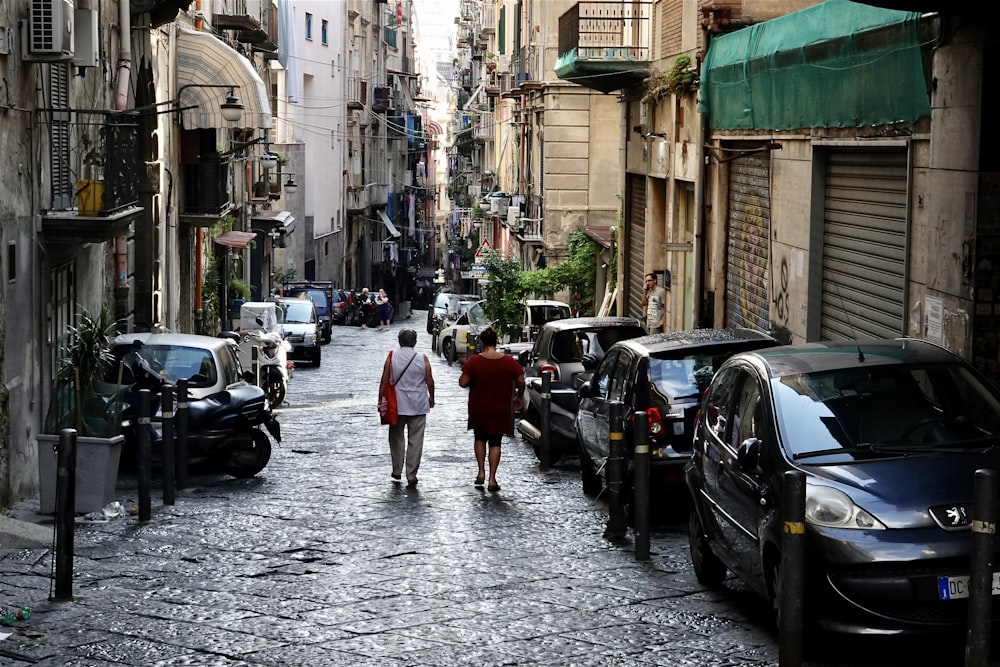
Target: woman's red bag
(388, 410)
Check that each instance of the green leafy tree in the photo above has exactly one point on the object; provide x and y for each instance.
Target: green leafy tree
(504, 294)
(577, 274)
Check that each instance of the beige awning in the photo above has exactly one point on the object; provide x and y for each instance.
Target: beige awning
(388, 223)
(203, 58)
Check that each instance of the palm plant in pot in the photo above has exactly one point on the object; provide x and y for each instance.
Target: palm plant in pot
(82, 400)
(78, 400)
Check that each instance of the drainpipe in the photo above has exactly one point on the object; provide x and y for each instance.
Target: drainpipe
(121, 103)
(199, 312)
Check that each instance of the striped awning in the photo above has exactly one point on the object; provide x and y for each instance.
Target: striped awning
(234, 239)
(432, 128)
(204, 59)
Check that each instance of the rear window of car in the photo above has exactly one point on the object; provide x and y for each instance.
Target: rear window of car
(317, 296)
(298, 313)
(539, 315)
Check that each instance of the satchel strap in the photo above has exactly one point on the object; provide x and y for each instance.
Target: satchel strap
(404, 368)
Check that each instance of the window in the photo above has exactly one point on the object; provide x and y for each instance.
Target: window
(323, 32)
(309, 25)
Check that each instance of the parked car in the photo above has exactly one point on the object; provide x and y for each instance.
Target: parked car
(460, 338)
(664, 375)
(570, 350)
(889, 435)
(301, 328)
(338, 309)
(321, 294)
(445, 305)
(539, 311)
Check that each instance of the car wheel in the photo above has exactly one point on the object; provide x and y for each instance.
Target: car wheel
(592, 484)
(448, 347)
(251, 457)
(709, 570)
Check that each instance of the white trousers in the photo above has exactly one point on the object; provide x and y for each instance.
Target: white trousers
(407, 447)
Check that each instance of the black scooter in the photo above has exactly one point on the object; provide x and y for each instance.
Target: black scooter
(224, 433)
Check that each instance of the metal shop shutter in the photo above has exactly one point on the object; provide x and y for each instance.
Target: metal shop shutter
(864, 244)
(636, 250)
(749, 245)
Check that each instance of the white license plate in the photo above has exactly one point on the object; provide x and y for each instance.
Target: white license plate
(954, 588)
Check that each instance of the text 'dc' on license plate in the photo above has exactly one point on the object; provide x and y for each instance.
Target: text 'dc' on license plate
(954, 588)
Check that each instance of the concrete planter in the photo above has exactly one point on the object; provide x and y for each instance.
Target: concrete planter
(96, 471)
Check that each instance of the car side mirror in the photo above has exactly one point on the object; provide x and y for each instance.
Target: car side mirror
(524, 358)
(748, 454)
(249, 377)
(198, 380)
(584, 390)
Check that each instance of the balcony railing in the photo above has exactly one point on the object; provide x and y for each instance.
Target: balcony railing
(206, 187)
(253, 21)
(531, 229)
(357, 92)
(489, 21)
(601, 36)
(484, 126)
(356, 199)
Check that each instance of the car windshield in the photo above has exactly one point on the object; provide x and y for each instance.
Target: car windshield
(885, 409)
(298, 313)
(477, 315)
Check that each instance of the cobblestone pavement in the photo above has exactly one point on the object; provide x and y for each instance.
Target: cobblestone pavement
(322, 560)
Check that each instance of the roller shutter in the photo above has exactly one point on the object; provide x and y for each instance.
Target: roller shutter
(748, 248)
(636, 249)
(864, 244)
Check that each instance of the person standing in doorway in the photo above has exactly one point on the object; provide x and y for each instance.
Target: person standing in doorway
(493, 379)
(654, 304)
(382, 310)
(410, 372)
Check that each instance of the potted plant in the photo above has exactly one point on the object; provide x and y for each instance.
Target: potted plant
(81, 400)
(260, 189)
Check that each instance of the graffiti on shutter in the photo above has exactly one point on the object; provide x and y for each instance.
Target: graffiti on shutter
(749, 244)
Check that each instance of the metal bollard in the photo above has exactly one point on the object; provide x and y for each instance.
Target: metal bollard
(181, 419)
(65, 513)
(142, 442)
(615, 474)
(640, 484)
(984, 528)
(169, 451)
(545, 446)
(255, 364)
(793, 562)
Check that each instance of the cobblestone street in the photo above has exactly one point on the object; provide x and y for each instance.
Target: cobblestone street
(323, 560)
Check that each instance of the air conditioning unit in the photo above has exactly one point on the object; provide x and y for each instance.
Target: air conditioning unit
(514, 217)
(50, 30)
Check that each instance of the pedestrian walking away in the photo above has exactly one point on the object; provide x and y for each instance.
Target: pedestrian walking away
(654, 304)
(382, 310)
(493, 380)
(410, 373)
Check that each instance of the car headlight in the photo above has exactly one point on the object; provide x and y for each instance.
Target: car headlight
(832, 508)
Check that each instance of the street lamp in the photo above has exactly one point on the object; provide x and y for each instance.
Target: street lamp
(290, 185)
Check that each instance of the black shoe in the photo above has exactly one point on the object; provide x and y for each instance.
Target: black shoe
(396, 476)
(411, 482)
(479, 481)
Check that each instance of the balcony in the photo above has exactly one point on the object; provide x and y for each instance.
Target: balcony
(252, 20)
(94, 175)
(357, 92)
(382, 99)
(604, 44)
(531, 229)
(356, 199)
(484, 126)
(205, 191)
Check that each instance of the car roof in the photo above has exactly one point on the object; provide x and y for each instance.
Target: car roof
(545, 302)
(833, 355)
(590, 323)
(688, 337)
(179, 339)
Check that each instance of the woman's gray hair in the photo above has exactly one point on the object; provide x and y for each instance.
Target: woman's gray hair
(407, 338)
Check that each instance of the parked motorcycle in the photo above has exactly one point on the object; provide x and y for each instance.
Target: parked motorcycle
(224, 431)
(260, 328)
